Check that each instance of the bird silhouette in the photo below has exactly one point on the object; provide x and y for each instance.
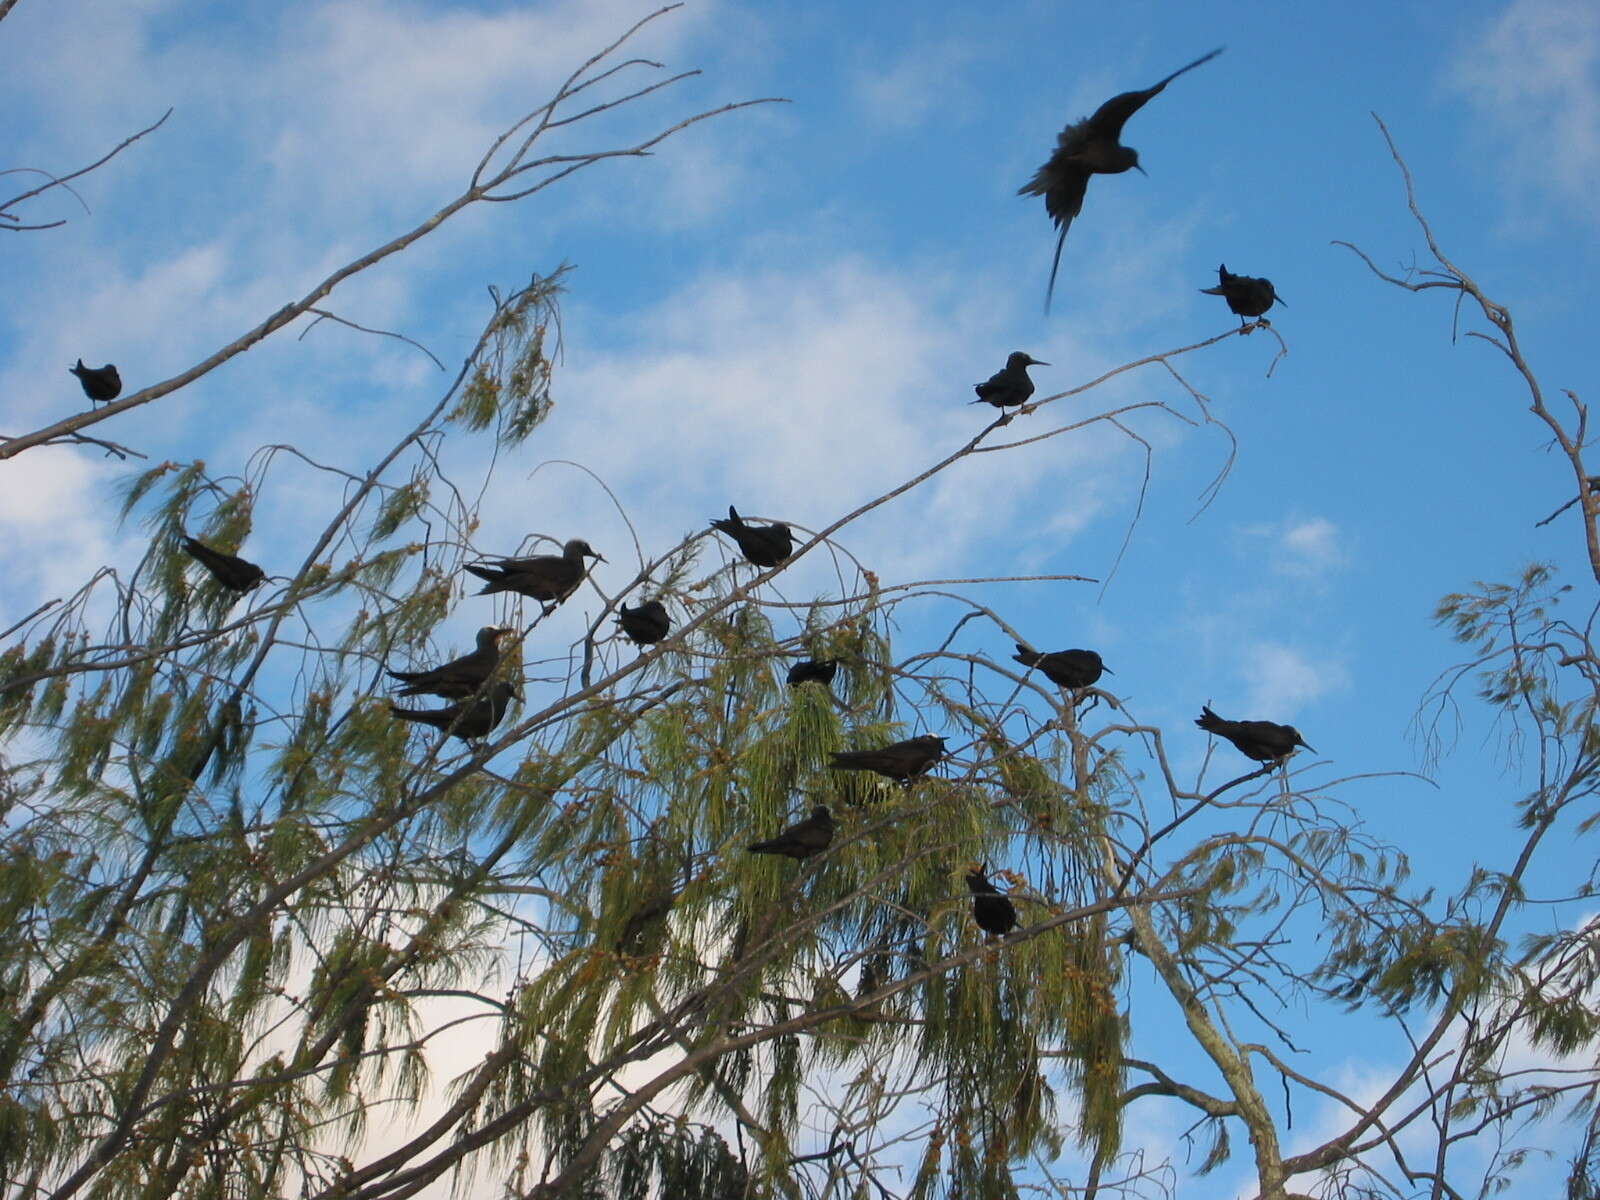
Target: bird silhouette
(232, 572)
(802, 839)
(1264, 741)
(764, 545)
(814, 671)
(1246, 295)
(99, 383)
(465, 719)
(1064, 668)
(647, 624)
(1090, 147)
(460, 677)
(1010, 385)
(903, 761)
(993, 912)
(548, 578)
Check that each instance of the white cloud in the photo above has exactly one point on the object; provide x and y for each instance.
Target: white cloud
(53, 526)
(801, 396)
(1535, 77)
(1283, 679)
(1303, 547)
(924, 83)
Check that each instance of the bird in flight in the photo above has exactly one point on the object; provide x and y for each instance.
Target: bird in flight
(1091, 147)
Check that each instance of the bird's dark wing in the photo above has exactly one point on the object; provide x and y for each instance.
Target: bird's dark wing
(1111, 116)
(1062, 180)
(1064, 185)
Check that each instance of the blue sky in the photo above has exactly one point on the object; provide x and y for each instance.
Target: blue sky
(787, 307)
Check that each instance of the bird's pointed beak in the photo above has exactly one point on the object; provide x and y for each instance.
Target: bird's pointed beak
(599, 557)
(1141, 170)
(1107, 669)
(1279, 298)
(1037, 362)
(1308, 746)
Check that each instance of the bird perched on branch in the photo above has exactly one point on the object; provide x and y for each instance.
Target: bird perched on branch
(99, 383)
(764, 545)
(647, 624)
(814, 671)
(232, 572)
(1010, 385)
(1064, 668)
(1264, 741)
(802, 839)
(1246, 295)
(460, 677)
(993, 912)
(548, 578)
(902, 762)
(465, 719)
(1090, 147)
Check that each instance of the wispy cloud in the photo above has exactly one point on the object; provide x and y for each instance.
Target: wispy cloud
(52, 525)
(927, 81)
(1283, 679)
(1534, 75)
(1302, 547)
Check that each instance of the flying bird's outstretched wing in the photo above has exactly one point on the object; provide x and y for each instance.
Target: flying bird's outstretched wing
(1111, 116)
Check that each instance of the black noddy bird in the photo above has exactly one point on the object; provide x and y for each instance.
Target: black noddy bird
(902, 762)
(1064, 668)
(1246, 295)
(99, 383)
(465, 719)
(994, 913)
(1091, 147)
(1264, 741)
(1010, 385)
(647, 624)
(460, 677)
(764, 545)
(802, 839)
(548, 578)
(232, 572)
(814, 671)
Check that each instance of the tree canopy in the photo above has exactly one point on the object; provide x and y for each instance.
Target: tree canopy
(265, 939)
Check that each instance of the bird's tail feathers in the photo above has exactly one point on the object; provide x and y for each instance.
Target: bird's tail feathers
(491, 573)
(1055, 265)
